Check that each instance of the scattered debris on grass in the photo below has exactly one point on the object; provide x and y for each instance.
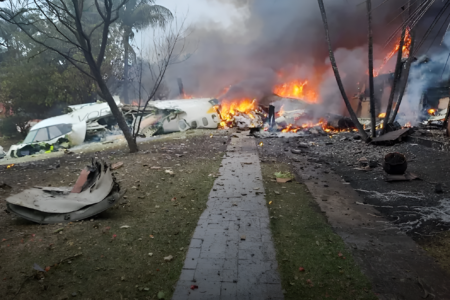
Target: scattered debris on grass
(116, 166)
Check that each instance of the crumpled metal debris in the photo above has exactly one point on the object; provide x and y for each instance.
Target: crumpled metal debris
(65, 131)
(244, 121)
(173, 115)
(99, 191)
(392, 137)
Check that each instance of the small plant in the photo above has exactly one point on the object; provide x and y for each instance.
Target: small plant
(283, 175)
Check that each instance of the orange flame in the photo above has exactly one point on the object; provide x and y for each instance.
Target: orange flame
(281, 111)
(322, 123)
(186, 96)
(290, 128)
(231, 108)
(405, 53)
(432, 111)
(223, 92)
(382, 115)
(10, 166)
(295, 89)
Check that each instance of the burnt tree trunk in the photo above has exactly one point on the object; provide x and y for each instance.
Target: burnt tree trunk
(337, 75)
(407, 69)
(398, 68)
(405, 82)
(445, 125)
(371, 85)
(180, 86)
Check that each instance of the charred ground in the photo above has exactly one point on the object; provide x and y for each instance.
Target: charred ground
(417, 207)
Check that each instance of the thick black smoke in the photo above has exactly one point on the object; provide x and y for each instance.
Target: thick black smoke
(286, 36)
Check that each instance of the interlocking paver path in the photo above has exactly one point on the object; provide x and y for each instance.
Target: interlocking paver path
(231, 255)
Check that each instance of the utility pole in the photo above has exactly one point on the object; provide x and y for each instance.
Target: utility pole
(371, 85)
(353, 116)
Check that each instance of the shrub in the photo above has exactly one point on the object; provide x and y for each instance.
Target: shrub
(8, 127)
(10, 124)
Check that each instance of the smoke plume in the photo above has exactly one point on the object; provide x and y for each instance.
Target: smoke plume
(283, 38)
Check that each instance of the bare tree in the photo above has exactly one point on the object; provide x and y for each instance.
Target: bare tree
(76, 23)
(159, 57)
(371, 85)
(353, 116)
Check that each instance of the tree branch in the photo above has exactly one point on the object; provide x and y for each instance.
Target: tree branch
(81, 36)
(52, 23)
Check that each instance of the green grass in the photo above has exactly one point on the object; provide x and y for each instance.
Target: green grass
(304, 239)
(115, 262)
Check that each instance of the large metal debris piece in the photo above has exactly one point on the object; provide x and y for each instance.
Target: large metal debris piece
(392, 137)
(95, 191)
(403, 177)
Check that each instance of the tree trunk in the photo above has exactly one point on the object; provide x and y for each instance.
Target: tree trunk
(371, 85)
(116, 112)
(405, 83)
(338, 77)
(126, 43)
(398, 68)
(407, 69)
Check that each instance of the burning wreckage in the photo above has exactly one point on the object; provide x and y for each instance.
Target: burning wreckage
(168, 116)
(91, 122)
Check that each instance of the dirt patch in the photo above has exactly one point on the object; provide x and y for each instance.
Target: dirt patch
(120, 253)
(313, 260)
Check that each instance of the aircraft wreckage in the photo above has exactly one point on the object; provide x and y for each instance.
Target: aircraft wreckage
(95, 120)
(65, 131)
(161, 117)
(173, 115)
(95, 191)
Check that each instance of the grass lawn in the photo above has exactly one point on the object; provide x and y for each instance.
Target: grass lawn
(438, 246)
(314, 262)
(120, 253)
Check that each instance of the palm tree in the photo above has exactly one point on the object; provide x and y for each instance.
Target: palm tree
(137, 15)
(353, 116)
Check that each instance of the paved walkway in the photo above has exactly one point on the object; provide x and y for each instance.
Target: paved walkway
(231, 255)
